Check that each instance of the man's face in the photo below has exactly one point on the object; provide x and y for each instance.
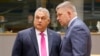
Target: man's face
(62, 16)
(41, 21)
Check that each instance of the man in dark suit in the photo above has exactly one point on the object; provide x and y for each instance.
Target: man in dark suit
(38, 40)
(77, 39)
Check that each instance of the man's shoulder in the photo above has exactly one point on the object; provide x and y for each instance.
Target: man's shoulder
(53, 32)
(26, 30)
(50, 30)
(55, 35)
(78, 22)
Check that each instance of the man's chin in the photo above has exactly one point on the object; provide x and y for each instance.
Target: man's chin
(62, 25)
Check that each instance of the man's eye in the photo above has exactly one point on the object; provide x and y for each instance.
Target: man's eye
(43, 18)
(37, 17)
(59, 14)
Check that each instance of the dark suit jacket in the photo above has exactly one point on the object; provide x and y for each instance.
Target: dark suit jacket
(26, 43)
(77, 40)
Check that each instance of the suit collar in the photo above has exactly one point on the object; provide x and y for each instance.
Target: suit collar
(67, 29)
(50, 40)
(72, 20)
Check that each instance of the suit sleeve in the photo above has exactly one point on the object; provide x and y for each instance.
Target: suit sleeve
(79, 41)
(17, 48)
(59, 45)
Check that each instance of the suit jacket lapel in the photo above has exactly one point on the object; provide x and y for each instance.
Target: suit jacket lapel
(34, 40)
(50, 40)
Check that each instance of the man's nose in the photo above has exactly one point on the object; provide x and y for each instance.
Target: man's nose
(57, 18)
(40, 20)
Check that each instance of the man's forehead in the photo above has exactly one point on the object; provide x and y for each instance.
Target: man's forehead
(59, 11)
(40, 14)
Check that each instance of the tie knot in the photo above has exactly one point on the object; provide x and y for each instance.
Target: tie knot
(41, 33)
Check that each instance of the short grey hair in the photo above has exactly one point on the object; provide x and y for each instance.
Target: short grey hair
(66, 4)
(43, 10)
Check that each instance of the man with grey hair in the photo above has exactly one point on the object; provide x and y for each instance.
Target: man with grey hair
(38, 40)
(77, 39)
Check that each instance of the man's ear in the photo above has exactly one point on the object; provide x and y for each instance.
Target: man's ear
(69, 13)
(49, 21)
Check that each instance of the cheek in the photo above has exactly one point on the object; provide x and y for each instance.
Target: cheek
(45, 24)
(35, 22)
(63, 17)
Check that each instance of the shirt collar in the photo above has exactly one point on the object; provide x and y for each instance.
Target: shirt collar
(38, 32)
(72, 21)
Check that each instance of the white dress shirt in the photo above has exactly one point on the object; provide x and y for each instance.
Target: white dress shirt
(39, 40)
